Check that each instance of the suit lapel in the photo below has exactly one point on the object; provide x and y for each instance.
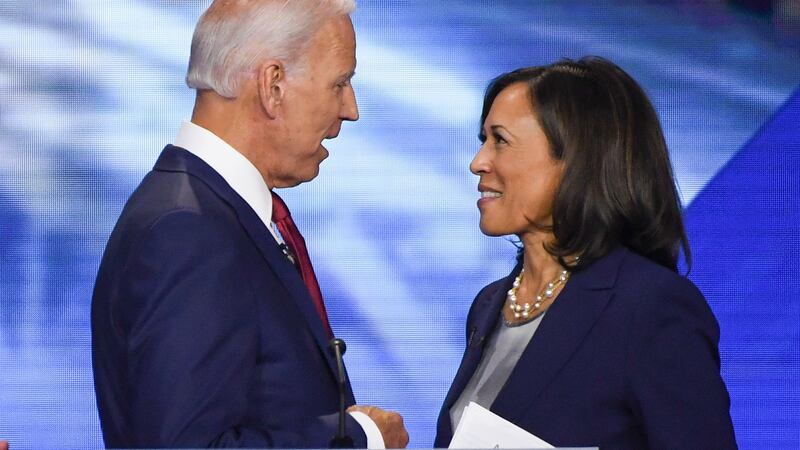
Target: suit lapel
(487, 310)
(177, 159)
(562, 330)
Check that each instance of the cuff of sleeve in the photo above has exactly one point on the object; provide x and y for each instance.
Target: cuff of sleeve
(374, 436)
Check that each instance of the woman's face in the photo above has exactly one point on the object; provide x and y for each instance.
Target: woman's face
(518, 175)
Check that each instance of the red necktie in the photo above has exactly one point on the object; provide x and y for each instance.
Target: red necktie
(296, 243)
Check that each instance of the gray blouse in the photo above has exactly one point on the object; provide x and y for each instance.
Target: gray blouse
(500, 356)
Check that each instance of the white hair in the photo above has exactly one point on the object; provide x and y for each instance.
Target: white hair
(234, 36)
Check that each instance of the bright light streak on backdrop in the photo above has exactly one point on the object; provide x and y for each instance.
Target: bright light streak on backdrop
(91, 90)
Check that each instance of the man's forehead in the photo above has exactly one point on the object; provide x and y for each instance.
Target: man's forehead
(338, 45)
(337, 32)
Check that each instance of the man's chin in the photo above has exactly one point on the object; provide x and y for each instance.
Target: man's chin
(304, 173)
(298, 178)
(323, 152)
(310, 174)
(313, 175)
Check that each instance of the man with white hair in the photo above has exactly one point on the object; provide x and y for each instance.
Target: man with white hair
(208, 325)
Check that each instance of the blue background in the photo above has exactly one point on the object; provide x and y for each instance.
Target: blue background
(91, 90)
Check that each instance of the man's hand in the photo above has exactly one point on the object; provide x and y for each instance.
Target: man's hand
(389, 422)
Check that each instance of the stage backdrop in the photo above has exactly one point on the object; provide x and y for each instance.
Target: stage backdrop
(91, 90)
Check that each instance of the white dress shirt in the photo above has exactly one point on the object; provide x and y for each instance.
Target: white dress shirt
(246, 180)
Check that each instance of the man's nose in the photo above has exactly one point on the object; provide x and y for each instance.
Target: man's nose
(349, 105)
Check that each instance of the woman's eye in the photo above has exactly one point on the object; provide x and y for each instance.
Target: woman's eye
(499, 139)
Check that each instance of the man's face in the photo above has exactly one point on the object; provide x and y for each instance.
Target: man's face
(317, 100)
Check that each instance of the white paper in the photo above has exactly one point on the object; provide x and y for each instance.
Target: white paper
(481, 428)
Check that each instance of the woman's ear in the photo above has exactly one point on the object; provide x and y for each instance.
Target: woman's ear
(271, 86)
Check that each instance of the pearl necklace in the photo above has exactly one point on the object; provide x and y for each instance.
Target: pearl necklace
(530, 311)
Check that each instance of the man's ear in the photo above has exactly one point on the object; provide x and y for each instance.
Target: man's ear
(271, 86)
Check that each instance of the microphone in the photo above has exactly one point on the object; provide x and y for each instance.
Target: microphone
(341, 440)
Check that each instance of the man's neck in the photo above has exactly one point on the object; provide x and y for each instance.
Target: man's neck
(229, 120)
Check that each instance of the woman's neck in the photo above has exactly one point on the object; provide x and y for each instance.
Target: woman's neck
(540, 266)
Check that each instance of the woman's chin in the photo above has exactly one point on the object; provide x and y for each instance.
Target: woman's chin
(490, 230)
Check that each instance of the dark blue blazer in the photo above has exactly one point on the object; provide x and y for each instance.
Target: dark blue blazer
(625, 358)
(203, 333)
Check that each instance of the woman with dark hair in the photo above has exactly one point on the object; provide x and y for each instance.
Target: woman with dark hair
(594, 338)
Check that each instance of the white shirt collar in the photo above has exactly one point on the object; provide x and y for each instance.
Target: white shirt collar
(235, 169)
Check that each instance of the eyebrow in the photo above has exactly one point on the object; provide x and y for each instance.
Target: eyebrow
(494, 128)
(347, 76)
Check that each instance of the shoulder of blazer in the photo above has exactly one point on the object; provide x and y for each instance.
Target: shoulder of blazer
(638, 275)
(176, 159)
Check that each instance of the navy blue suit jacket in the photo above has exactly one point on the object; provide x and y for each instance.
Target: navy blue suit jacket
(203, 333)
(625, 358)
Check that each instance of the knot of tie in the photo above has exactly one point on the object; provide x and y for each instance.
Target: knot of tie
(279, 209)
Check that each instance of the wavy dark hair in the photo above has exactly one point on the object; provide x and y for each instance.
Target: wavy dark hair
(617, 186)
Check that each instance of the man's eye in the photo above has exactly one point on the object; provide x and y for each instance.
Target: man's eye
(499, 139)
